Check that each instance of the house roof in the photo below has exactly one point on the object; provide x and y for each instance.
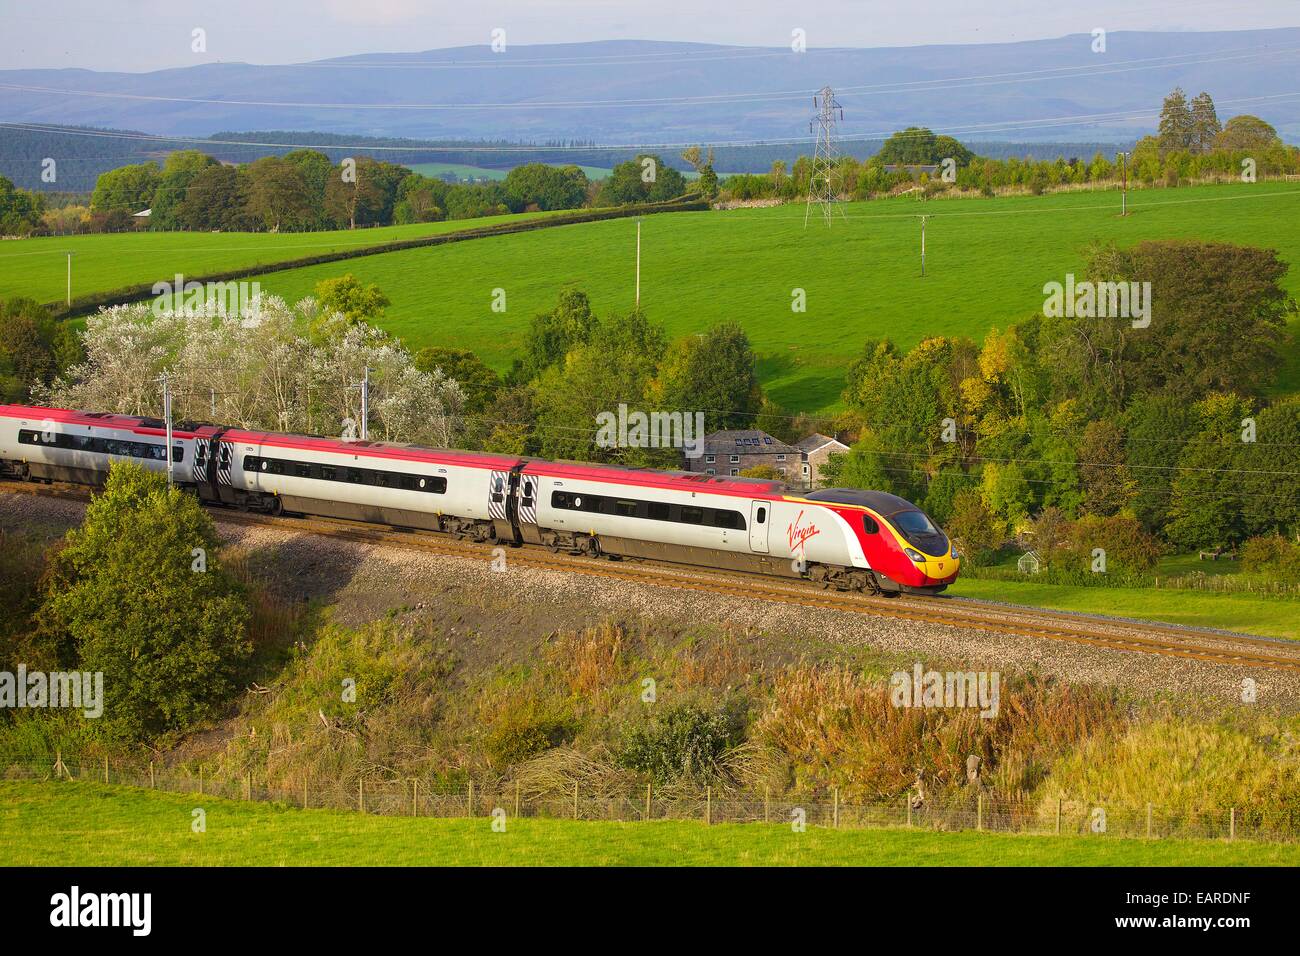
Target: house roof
(816, 441)
(749, 441)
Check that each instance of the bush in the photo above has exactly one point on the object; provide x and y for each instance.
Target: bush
(687, 742)
(170, 636)
(525, 730)
(1272, 556)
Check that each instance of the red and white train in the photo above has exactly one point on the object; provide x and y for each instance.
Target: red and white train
(837, 537)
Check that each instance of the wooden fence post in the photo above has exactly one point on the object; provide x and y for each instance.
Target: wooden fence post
(979, 812)
(361, 794)
(305, 778)
(907, 802)
(1148, 821)
(767, 804)
(153, 783)
(1058, 816)
(708, 806)
(106, 768)
(248, 785)
(200, 779)
(1232, 824)
(516, 798)
(835, 813)
(469, 808)
(647, 800)
(575, 800)
(415, 793)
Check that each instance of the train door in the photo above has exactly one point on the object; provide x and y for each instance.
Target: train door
(760, 515)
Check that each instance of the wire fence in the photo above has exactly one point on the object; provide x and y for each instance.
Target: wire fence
(971, 809)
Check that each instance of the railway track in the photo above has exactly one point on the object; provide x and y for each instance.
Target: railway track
(1217, 647)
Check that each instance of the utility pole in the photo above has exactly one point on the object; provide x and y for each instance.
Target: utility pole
(365, 405)
(1123, 166)
(923, 219)
(638, 264)
(167, 420)
(820, 188)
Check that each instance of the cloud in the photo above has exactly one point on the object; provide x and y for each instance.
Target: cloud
(375, 12)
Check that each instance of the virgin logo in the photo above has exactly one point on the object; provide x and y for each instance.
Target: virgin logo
(799, 536)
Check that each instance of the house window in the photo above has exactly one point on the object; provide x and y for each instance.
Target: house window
(710, 471)
(734, 472)
(805, 468)
(735, 459)
(780, 457)
(709, 459)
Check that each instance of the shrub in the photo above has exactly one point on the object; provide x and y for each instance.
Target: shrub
(687, 742)
(524, 730)
(1272, 556)
(169, 637)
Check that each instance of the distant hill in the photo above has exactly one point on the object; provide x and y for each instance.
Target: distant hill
(629, 91)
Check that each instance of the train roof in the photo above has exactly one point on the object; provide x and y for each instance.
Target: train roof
(66, 416)
(881, 502)
(376, 449)
(652, 477)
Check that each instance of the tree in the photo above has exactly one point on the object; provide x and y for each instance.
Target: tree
(34, 347)
(347, 296)
(1177, 125)
(713, 373)
(912, 146)
(1205, 123)
(975, 529)
(178, 172)
(477, 381)
(551, 335)
(644, 179)
(128, 188)
(355, 195)
(1107, 484)
(216, 198)
(142, 594)
(545, 187)
(20, 210)
(278, 194)
(420, 199)
(1246, 132)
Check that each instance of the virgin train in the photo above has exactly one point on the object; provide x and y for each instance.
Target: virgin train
(837, 537)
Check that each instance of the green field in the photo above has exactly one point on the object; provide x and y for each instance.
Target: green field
(38, 268)
(84, 824)
(1248, 613)
(987, 261)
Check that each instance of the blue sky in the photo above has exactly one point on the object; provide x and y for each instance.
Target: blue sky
(156, 34)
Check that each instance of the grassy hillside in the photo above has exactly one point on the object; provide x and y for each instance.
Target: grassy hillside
(987, 261)
(59, 824)
(37, 268)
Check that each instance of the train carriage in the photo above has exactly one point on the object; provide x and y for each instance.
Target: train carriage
(843, 538)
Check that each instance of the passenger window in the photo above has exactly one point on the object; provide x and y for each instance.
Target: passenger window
(761, 516)
(658, 511)
(693, 515)
(869, 524)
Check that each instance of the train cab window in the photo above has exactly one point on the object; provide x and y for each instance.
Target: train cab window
(692, 515)
(497, 485)
(869, 524)
(760, 516)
